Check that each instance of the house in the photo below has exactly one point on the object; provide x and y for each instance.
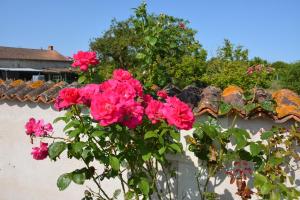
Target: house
(34, 64)
(20, 174)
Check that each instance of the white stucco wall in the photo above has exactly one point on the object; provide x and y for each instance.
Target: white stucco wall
(22, 177)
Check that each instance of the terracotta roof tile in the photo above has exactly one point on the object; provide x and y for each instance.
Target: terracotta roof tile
(288, 104)
(282, 106)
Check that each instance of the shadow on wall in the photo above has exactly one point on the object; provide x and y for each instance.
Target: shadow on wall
(187, 176)
(26, 103)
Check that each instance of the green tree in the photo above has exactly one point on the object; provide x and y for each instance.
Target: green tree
(230, 66)
(158, 49)
(290, 77)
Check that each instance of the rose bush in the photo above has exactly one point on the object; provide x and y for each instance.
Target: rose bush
(117, 124)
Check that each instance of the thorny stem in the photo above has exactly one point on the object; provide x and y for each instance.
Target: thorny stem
(154, 177)
(57, 138)
(95, 180)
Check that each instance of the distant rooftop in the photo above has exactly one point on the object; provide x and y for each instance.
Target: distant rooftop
(31, 54)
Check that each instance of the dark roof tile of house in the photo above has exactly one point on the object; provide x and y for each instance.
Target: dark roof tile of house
(30, 54)
(281, 106)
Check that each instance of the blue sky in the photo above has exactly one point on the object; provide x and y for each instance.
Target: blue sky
(268, 28)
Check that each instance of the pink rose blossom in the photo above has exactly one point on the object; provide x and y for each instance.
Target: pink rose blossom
(38, 128)
(162, 94)
(250, 70)
(87, 92)
(178, 113)
(42, 129)
(133, 114)
(66, 98)
(154, 111)
(84, 60)
(30, 126)
(147, 98)
(137, 86)
(106, 108)
(121, 75)
(40, 153)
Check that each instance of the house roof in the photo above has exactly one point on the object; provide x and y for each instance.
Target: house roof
(281, 106)
(30, 54)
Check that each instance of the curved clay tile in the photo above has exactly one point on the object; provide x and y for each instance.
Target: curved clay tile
(262, 95)
(49, 95)
(190, 95)
(210, 99)
(233, 95)
(14, 87)
(30, 86)
(172, 90)
(288, 104)
(33, 95)
(4, 86)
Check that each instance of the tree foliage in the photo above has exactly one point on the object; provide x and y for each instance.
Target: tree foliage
(159, 49)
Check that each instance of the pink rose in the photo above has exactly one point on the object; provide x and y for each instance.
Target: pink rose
(133, 114)
(38, 128)
(41, 129)
(178, 113)
(137, 86)
(154, 111)
(121, 75)
(250, 70)
(40, 153)
(87, 92)
(106, 108)
(30, 126)
(66, 98)
(162, 94)
(84, 60)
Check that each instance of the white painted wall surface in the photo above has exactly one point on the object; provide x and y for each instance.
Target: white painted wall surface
(22, 177)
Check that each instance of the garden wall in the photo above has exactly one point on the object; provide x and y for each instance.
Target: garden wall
(22, 177)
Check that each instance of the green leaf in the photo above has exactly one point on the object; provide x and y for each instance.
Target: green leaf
(59, 119)
(210, 131)
(273, 160)
(249, 107)
(175, 135)
(56, 148)
(98, 133)
(78, 147)
(266, 135)
(152, 41)
(78, 177)
(114, 163)
(162, 150)
(146, 156)
(74, 133)
(140, 56)
(266, 188)
(64, 181)
(259, 180)
(275, 195)
(73, 123)
(81, 79)
(268, 106)
(255, 149)
(150, 134)
(224, 108)
(129, 195)
(144, 186)
(240, 136)
(175, 147)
